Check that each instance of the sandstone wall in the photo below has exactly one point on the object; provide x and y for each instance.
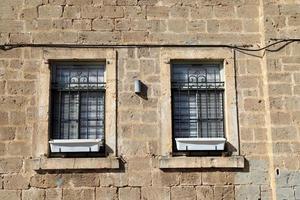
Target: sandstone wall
(268, 88)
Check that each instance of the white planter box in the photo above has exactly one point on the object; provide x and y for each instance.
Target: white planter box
(202, 144)
(75, 145)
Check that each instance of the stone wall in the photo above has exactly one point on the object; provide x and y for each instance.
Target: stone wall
(268, 88)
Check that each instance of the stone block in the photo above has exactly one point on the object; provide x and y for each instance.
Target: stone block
(254, 105)
(217, 178)
(106, 193)
(230, 25)
(79, 2)
(99, 37)
(153, 193)
(250, 192)
(10, 165)
(204, 192)
(90, 12)
(72, 12)
(183, 192)
(33, 194)
(165, 179)
(114, 179)
(47, 180)
(285, 193)
(82, 24)
(29, 13)
(224, 11)
(7, 133)
(14, 26)
(213, 26)
(196, 25)
(202, 12)
(247, 82)
(13, 182)
(53, 194)
(103, 24)
(78, 194)
(160, 12)
(134, 36)
(251, 25)
(85, 180)
(18, 118)
(17, 38)
(127, 2)
(10, 194)
(136, 12)
(179, 12)
(3, 118)
(248, 11)
(280, 118)
(224, 192)
(190, 178)
(128, 193)
(289, 9)
(112, 12)
(253, 148)
(177, 25)
(50, 11)
(139, 178)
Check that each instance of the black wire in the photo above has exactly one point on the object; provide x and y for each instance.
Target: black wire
(7, 47)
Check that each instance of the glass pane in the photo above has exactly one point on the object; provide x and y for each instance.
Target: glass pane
(92, 115)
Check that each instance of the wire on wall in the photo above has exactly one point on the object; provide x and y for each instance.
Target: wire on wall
(282, 42)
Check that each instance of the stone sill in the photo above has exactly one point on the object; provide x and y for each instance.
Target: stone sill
(75, 163)
(201, 162)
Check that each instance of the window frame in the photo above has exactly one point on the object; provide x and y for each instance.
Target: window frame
(230, 107)
(220, 66)
(92, 65)
(41, 149)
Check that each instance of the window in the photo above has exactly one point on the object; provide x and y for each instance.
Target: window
(197, 105)
(78, 95)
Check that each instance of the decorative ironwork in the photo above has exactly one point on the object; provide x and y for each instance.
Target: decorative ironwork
(77, 101)
(197, 101)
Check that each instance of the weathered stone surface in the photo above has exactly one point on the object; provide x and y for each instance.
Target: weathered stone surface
(267, 88)
(128, 193)
(152, 193)
(183, 192)
(106, 193)
(247, 192)
(33, 194)
(10, 194)
(15, 182)
(78, 194)
(204, 192)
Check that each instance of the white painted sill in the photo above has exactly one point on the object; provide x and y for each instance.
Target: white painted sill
(75, 163)
(200, 144)
(75, 145)
(183, 162)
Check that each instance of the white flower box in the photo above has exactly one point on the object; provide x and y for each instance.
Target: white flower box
(75, 145)
(200, 144)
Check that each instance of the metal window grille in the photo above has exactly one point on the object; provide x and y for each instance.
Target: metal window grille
(197, 101)
(78, 93)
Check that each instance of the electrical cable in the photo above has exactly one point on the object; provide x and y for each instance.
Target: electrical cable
(7, 47)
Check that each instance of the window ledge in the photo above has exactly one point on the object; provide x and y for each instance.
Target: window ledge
(75, 163)
(201, 162)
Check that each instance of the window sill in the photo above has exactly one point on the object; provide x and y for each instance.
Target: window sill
(201, 162)
(75, 163)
